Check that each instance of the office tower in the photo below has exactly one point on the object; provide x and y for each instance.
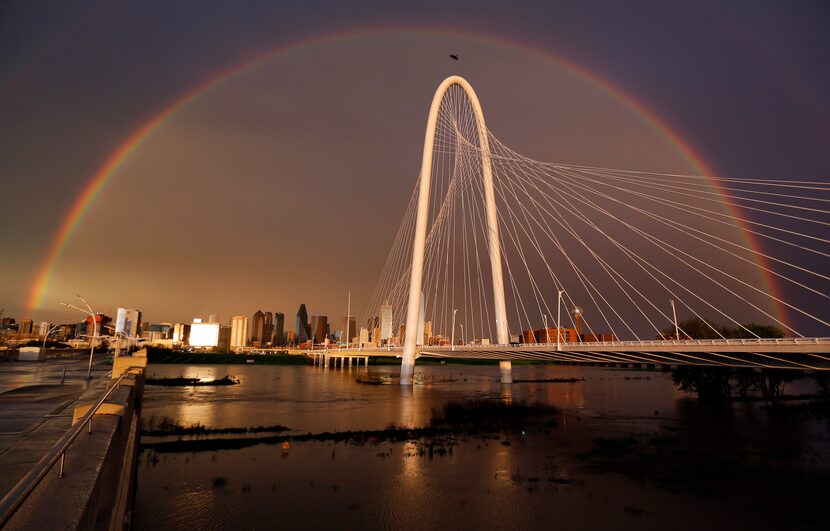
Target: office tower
(576, 313)
(267, 329)
(25, 327)
(419, 331)
(223, 341)
(428, 333)
(349, 329)
(385, 322)
(257, 328)
(239, 331)
(363, 339)
(213, 318)
(128, 322)
(301, 329)
(401, 334)
(319, 327)
(42, 328)
(101, 321)
(279, 329)
(181, 333)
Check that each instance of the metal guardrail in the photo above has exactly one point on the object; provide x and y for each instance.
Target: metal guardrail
(18, 495)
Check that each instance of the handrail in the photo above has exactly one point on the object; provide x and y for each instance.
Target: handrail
(15, 498)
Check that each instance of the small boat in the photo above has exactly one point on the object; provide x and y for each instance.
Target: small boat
(250, 359)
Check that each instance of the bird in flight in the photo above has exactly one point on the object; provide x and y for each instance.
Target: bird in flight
(455, 57)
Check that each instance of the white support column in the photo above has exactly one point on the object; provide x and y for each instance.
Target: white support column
(418, 245)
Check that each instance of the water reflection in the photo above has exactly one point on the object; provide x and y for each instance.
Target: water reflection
(484, 483)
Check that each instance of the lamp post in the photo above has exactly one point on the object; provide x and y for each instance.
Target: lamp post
(348, 323)
(94, 330)
(452, 334)
(674, 315)
(47, 335)
(558, 313)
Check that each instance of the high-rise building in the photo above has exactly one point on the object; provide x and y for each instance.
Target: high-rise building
(279, 329)
(427, 332)
(419, 331)
(181, 333)
(349, 329)
(25, 327)
(363, 339)
(319, 327)
(239, 331)
(257, 327)
(385, 322)
(42, 328)
(128, 322)
(223, 339)
(267, 329)
(101, 321)
(302, 331)
(401, 334)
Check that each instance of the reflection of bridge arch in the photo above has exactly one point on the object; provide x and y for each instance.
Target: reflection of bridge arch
(419, 243)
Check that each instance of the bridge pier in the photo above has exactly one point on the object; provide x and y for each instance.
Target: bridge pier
(506, 371)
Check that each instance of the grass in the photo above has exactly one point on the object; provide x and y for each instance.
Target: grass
(156, 427)
(354, 437)
(181, 381)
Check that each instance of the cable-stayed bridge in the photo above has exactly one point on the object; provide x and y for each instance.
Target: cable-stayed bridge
(493, 245)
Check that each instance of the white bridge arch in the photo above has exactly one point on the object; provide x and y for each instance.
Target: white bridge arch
(419, 243)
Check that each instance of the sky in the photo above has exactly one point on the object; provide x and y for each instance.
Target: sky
(284, 138)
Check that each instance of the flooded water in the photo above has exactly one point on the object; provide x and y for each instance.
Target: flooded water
(627, 450)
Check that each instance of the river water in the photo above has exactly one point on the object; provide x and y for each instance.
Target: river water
(628, 450)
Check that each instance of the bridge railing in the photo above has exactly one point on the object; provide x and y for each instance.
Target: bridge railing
(650, 343)
(20, 492)
(600, 344)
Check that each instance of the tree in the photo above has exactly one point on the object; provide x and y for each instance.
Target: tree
(697, 328)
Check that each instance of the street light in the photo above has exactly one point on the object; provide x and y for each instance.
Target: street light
(118, 334)
(47, 335)
(94, 330)
(452, 340)
(558, 313)
(676, 328)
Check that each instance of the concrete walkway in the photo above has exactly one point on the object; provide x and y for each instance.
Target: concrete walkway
(36, 410)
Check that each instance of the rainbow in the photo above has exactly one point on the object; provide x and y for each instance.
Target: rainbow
(116, 160)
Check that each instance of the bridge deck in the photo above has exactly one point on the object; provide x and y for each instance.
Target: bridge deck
(794, 354)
